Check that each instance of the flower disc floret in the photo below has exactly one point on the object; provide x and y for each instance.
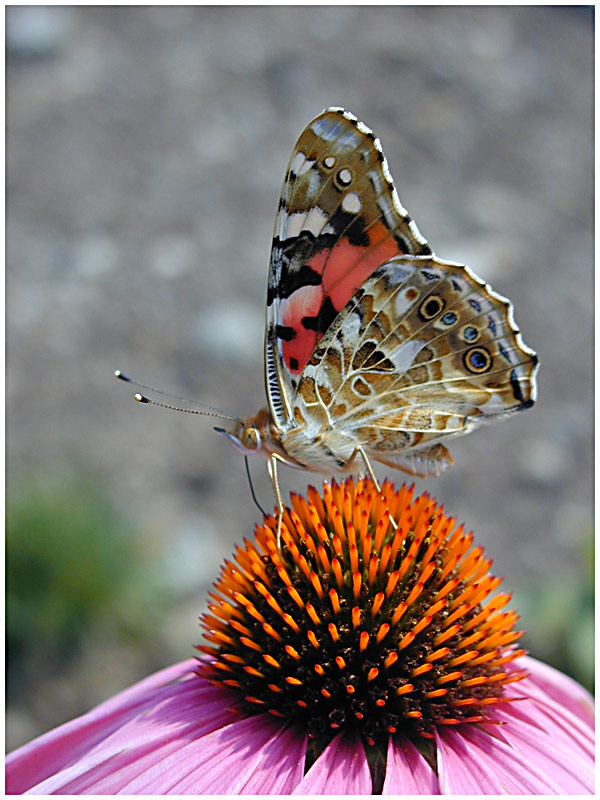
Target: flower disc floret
(359, 623)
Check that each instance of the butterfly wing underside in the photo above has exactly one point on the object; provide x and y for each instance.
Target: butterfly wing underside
(371, 341)
(339, 219)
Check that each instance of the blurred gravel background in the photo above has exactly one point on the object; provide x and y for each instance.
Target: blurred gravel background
(145, 151)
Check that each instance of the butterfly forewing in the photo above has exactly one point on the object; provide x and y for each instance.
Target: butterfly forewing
(339, 218)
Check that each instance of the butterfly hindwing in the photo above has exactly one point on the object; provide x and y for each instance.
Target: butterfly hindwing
(339, 219)
(423, 351)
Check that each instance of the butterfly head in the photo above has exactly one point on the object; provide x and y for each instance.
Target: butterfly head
(252, 435)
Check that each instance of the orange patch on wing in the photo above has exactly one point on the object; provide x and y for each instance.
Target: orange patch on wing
(348, 267)
(304, 302)
(317, 263)
(344, 268)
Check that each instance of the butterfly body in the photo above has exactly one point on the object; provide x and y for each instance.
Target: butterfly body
(375, 349)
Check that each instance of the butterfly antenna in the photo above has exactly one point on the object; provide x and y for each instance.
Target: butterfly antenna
(208, 411)
(143, 399)
(258, 505)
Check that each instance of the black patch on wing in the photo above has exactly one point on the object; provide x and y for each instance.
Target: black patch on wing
(369, 357)
(353, 228)
(504, 352)
(292, 278)
(361, 355)
(295, 252)
(292, 255)
(402, 243)
(321, 322)
(429, 276)
(285, 332)
(377, 360)
(516, 387)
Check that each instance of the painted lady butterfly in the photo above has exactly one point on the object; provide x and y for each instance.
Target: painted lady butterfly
(375, 349)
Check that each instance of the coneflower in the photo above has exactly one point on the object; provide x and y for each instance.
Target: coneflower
(364, 657)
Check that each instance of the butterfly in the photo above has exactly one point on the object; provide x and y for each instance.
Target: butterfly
(375, 349)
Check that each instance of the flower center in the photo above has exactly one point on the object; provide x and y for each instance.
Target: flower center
(360, 625)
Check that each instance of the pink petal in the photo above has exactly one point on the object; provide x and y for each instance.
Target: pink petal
(471, 761)
(256, 755)
(567, 767)
(564, 759)
(407, 772)
(560, 687)
(341, 768)
(537, 709)
(156, 712)
(545, 745)
(250, 755)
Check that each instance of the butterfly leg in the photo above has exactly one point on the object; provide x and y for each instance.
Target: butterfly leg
(272, 470)
(358, 450)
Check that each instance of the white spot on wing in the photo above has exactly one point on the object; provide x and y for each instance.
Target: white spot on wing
(297, 163)
(279, 223)
(349, 140)
(397, 273)
(351, 203)
(404, 355)
(402, 303)
(315, 221)
(376, 183)
(294, 225)
(387, 211)
(351, 327)
(306, 166)
(314, 184)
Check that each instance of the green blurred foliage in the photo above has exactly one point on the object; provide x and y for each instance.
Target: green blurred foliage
(73, 567)
(558, 615)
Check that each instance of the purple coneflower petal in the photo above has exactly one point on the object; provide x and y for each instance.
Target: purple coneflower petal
(251, 756)
(340, 769)
(544, 746)
(470, 761)
(114, 746)
(549, 717)
(556, 688)
(407, 771)
(50, 753)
